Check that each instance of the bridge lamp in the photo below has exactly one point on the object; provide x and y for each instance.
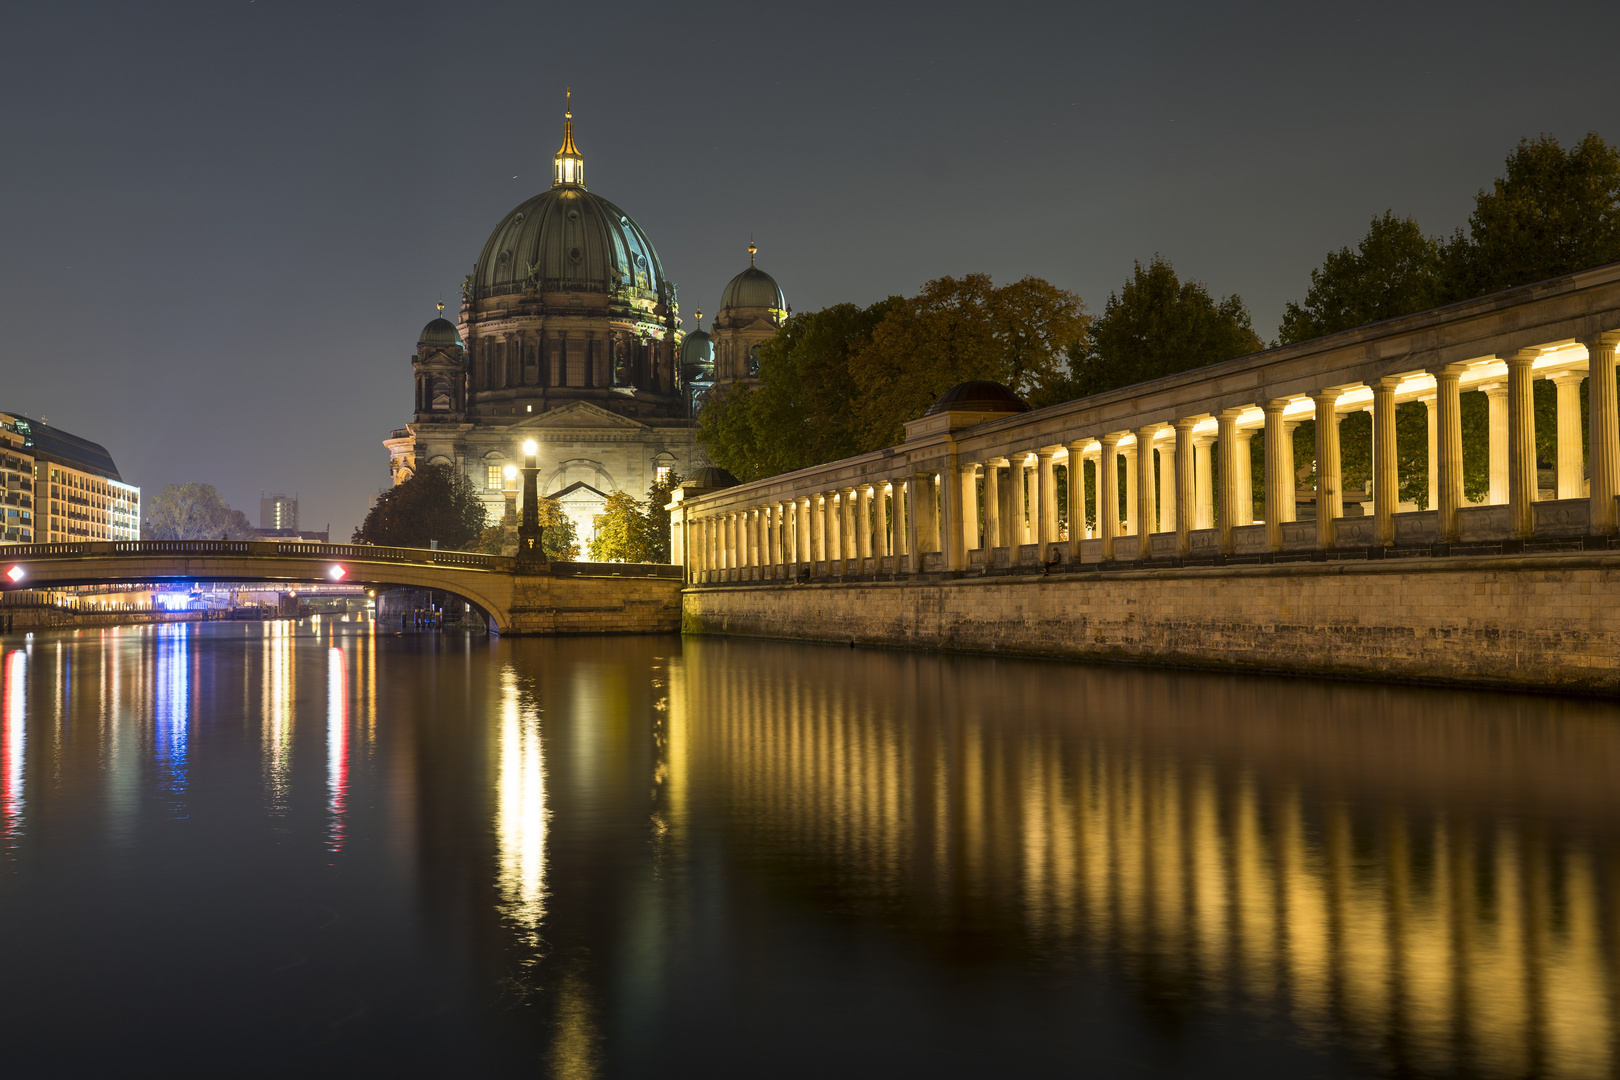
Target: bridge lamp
(336, 573)
(16, 574)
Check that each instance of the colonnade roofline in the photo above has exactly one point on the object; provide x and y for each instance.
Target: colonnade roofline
(1471, 338)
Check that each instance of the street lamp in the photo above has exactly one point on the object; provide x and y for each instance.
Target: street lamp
(531, 552)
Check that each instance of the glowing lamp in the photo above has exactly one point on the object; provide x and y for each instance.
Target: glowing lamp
(336, 573)
(529, 448)
(16, 574)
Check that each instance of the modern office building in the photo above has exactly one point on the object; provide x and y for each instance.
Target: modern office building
(278, 512)
(78, 493)
(16, 485)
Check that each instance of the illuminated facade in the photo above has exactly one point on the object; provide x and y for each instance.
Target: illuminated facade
(78, 494)
(16, 485)
(568, 335)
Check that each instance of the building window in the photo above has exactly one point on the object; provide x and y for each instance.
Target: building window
(663, 475)
(492, 477)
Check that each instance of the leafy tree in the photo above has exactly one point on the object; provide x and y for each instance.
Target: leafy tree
(438, 503)
(1554, 212)
(1395, 270)
(1158, 325)
(194, 512)
(559, 541)
(959, 329)
(655, 520)
(621, 531)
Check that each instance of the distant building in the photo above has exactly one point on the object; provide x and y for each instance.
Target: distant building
(277, 512)
(78, 493)
(297, 534)
(16, 485)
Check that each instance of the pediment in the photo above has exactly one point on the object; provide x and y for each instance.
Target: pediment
(579, 414)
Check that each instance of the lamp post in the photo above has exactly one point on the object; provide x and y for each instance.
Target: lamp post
(530, 549)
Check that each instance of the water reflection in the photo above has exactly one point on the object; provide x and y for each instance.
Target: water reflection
(13, 742)
(1392, 869)
(337, 747)
(278, 695)
(520, 814)
(171, 711)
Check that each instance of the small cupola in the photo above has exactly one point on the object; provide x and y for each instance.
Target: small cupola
(569, 167)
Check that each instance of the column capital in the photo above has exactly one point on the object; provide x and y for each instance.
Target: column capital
(1565, 378)
(1046, 453)
(1447, 371)
(1385, 385)
(1607, 339)
(1233, 413)
(1275, 406)
(1110, 438)
(1077, 448)
(1330, 396)
(1187, 423)
(1522, 357)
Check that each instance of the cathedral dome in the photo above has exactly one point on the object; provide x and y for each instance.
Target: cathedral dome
(568, 239)
(753, 288)
(440, 333)
(981, 396)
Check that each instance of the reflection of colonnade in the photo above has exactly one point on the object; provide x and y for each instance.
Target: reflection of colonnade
(968, 489)
(1343, 868)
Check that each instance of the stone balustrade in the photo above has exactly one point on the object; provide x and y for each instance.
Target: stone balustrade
(976, 491)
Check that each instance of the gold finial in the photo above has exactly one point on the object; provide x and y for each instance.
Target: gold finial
(698, 314)
(568, 103)
(441, 308)
(751, 250)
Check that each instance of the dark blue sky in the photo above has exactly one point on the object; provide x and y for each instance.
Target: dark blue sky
(223, 224)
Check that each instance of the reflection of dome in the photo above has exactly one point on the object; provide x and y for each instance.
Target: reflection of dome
(978, 395)
(710, 477)
(753, 288)
(567, 239)
(440, 332)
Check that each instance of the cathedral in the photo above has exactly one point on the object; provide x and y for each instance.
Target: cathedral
(569, 336)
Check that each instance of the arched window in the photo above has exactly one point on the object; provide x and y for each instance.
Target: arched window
(440, 396)
(753, 362)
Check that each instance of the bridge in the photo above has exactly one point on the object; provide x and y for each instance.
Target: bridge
(511, 598)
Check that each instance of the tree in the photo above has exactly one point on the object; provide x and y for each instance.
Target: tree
(620, 531)
(438, 503)
(655, 521)
(1158, 325)
(1554, 212)
(1395, 270)
(194, 512)
(559, 541)
(959, 329)
(802, 412)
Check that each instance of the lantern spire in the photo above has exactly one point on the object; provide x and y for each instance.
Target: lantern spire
(569, 167)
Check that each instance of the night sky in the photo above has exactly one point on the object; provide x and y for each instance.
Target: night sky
(222, 225)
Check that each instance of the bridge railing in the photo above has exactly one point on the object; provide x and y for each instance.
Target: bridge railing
(469, 560)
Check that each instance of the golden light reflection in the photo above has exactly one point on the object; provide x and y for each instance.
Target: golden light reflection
(337, 748)
(521, 816)
(1369, 875)
(13, 743)
(277, 692)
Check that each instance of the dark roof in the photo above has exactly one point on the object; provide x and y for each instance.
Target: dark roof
(568, 239)
(978, 395)
(54, 444)
(753, 288)
(710, 477)
(439, 332)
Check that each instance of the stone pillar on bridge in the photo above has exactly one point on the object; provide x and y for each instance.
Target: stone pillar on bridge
(1449, 443)
(1603, 433)
(1521, 446)
(1108, 493)
(1571, 458)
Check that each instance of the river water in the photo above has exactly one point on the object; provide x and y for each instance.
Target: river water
(311, 847)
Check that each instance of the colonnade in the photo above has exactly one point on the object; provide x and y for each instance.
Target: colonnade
(985, 495)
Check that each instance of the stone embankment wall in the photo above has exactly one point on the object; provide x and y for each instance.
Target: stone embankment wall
(22, 618)
(595, 605)
(1543, 622)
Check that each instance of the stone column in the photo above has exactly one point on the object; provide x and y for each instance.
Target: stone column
(880, 523)
(1015, 524)
(731, 545)
(1203, 483)
(1386, 472)
(1108, 494)
(1132, 490)
(1146, 483)
(1571, 461)
(1226, 434)
(1449, 441)
(1434, 454)
(1046, 478)
(1245, 462)
(1496, 398)
(1276, 469)
(1603, 433)
(818, 529)
(992, 510)
(950, 515)
(970, 510)
(1168, 518)
(847, 534)
(1077, 498)
(774, 554)
(1329, 494)
(1186, 486)
(1521, 446)
(905, 529)
(922, 505)
(807, 547)
(863, 523)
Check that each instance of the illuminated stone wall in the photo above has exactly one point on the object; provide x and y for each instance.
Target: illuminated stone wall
(1547, 622)
(594, 605)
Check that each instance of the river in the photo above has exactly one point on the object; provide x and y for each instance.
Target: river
(267, 848)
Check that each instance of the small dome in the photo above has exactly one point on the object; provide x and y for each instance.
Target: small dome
(697, 348)
(753, 288)
(439, 332)
(978, 395)
(710, 477)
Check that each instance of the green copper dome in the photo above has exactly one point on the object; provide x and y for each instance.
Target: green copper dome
(753, 288)
(569, 240)
(698, 348)
(441, 333)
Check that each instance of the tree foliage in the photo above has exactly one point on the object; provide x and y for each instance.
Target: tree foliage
(959, 329)
(628, 530)
(437, 503)
(802, 412)
(1394, 270)
(1158, 325)
(559, 541)
(194, 512)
